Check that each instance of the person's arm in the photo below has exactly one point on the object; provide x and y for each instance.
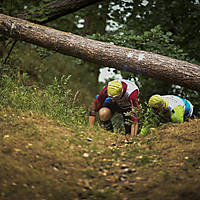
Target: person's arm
(134, 128)
(97, 105)
(91, 121)
(134, 103)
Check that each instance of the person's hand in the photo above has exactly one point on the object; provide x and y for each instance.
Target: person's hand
(91, 121)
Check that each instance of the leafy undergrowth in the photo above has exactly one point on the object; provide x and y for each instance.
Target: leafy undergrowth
(44, 159)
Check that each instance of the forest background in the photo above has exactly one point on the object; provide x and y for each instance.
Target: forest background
(168, 28)
(47, 150)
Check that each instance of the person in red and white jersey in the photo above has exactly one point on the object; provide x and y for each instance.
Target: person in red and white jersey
(124, 96)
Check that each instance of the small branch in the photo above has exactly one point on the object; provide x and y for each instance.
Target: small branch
(75, 97)
(10, 52)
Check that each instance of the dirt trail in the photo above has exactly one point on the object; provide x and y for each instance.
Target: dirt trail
(42, 159)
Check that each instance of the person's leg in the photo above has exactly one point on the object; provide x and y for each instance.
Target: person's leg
(188, 109)
(105, 116)
(127, 123)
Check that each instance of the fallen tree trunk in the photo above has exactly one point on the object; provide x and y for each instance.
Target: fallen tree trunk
(145, 63)
(55, 9)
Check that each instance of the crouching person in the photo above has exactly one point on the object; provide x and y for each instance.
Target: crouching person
(174, 108)
(123, 97)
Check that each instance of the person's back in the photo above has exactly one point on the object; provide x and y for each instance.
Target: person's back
(124, 102)
(170, 108)
(175, 108)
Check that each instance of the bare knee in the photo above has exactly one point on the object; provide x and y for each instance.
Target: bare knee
(105, 114)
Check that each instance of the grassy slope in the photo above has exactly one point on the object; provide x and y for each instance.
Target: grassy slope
(43, 159)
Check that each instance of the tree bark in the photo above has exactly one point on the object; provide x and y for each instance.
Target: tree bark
(55, 9)
(138, 62)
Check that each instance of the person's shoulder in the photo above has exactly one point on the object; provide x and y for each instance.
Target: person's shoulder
(169, 96)
(128, 82)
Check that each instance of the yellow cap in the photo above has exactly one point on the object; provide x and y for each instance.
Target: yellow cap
(114, 88)
(156, 101)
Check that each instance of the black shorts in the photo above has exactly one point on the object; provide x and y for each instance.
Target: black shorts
(116, 109)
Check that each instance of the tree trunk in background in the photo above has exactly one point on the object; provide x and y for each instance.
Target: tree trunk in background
(55, 9)
(101, 53)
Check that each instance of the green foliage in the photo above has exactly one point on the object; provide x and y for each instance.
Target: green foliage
(155, 40)
(42, 65)
(55, 100)
(12, 8)
(42, 52)
(178, 17)
(147, 118)
(42, 10)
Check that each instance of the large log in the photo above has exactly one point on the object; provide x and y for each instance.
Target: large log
(145, 63)
(55, 9)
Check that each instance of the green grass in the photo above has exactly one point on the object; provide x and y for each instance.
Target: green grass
(56, 100)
